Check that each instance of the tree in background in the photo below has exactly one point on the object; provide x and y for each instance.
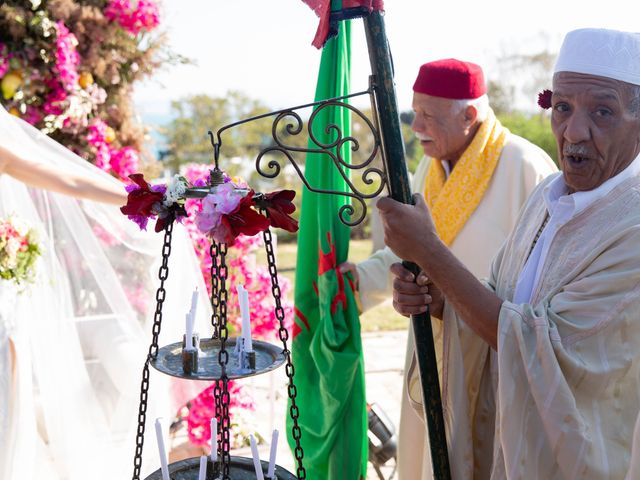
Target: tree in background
(68, 66)
(522, 77)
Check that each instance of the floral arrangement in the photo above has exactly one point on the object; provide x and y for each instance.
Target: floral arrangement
(19, 251)
(67, 67)
(241, 269)
(230, 210)
(164, 202)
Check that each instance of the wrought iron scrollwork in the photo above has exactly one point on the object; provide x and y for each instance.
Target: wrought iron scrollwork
(290, 122)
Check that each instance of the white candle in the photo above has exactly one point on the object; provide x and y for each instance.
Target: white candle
(214, 439)
(202, 473)
(194, 302)
(272, 455)
(191, 321)
(243, 299)
(256, 458)
(188, 340)
(164, 467)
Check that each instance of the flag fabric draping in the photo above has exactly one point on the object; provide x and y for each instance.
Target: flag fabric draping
(327, 347)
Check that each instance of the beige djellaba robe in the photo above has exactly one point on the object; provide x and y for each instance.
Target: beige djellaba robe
(521, 167)
(564, 381)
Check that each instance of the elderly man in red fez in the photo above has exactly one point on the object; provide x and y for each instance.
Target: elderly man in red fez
(542, 360)
(475, 177)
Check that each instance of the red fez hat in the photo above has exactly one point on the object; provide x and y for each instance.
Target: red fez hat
(451, 78)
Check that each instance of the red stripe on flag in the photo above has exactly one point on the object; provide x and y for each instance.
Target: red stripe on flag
(326, 261)
(295, 330)
(304, 320)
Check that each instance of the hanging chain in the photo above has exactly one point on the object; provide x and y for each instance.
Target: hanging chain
(215, 318)
(217, 394)
(223, 356)
(284, 336)
(161, 293)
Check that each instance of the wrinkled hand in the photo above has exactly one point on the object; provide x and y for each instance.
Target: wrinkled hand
(348, 267)
(408, 229)
(411, 297)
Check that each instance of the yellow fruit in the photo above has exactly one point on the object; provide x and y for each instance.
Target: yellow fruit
(109, 135)
(14, 111)
(85, 79)
(10, 84)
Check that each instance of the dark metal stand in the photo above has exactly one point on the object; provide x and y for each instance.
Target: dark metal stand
(385, 131)
(399, 187)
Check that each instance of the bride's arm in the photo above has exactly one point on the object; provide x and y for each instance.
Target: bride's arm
(39, 175)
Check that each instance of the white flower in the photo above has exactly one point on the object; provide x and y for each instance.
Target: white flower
(175, 190)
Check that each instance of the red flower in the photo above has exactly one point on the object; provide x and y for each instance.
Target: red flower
(170, 214)
(141, 200)
(243, 221)
(279, 205)
(544, 99)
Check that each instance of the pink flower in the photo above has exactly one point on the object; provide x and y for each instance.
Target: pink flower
(32, 115)
(67, 58)
(54, 103)
(226, 198)
(223, 202)
(104, 236)
(97, 132)
(139, 299)
(124, 162)
(144, 16)
(103, 157)
(202, 409)
(5, 56)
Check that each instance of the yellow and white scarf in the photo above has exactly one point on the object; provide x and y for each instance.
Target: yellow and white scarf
(452, 200)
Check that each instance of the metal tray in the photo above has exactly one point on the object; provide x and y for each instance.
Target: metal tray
(169, 360)
(241, 468)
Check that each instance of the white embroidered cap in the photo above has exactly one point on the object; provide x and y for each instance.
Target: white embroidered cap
(605, 53)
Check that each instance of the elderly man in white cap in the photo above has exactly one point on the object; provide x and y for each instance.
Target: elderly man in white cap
(475, 177)
(560, 312)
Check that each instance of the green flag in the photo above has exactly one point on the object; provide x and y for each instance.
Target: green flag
(327, 347)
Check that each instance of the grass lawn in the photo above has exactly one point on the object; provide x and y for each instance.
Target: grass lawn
(381, 318)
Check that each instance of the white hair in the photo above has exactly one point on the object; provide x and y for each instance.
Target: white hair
(634, 100)
(481, 104)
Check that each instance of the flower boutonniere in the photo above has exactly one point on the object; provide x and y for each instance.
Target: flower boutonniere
(544, 99)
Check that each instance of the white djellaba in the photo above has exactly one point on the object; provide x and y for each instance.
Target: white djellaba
(69, 396)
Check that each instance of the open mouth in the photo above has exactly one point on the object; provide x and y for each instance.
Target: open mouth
(577, 160)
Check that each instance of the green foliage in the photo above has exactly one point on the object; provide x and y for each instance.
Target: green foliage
(535, 128)
(195, 115)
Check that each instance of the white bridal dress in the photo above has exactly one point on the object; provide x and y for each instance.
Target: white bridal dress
(69, 395)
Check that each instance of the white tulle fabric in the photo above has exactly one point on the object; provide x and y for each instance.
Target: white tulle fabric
(69, 398)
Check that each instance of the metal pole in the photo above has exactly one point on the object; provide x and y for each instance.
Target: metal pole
(396, 168)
